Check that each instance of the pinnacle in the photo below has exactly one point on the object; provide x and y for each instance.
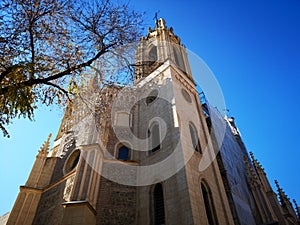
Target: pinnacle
(279, 189)
(256, 163)
(297, 208)
(43, 151)
(283, 197)
(252, 176)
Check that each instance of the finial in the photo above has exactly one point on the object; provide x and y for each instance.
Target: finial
(252, 157)
(161, 23)
(43, 151)
(294, 200)
(282, 196)
(278, 186)
(296, 205)
(256, 163)
(251, 154)
(297, 208)
(279, 189)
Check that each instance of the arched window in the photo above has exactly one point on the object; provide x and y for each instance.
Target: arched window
(186, 96)
(178, 58)
(154, 135)
(72, 161)
(195, 138)
(123, 153)
(209, 206)
(75, 162)
(153, 55)
(159, 207)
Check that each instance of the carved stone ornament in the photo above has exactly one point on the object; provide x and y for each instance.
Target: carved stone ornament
(68, 144)
(68, 188)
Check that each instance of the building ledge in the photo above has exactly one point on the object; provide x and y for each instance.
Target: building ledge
(79, 203)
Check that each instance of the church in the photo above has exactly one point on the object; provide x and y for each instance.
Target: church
(153, 153)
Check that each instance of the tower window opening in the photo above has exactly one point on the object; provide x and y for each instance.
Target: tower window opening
(123, 153)
(178, 58)
(159, 208)
(153, 55)
(195, 138)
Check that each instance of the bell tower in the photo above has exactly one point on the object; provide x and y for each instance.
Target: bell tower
(160, 45)
(164, 74)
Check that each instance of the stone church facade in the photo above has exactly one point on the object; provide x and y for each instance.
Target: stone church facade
(152, 155)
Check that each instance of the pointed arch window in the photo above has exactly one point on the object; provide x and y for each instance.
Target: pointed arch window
(178, 57)
(154, 135)
(195, 138)
(159, 207)
(153, 55)
(123, 153)
(209, 206)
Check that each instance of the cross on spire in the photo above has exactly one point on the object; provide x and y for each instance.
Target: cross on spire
(156, 16)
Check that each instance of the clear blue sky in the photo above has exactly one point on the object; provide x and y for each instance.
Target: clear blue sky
(253, 48)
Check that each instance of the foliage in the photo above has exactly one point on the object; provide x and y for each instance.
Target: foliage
(47, 46)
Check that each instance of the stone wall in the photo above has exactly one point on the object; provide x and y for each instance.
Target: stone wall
(50, 209)
(116, 204)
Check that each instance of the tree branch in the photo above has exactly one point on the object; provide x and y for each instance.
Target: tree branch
(59, 88)
(68, 71)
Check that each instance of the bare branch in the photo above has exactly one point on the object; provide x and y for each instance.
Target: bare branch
(68, 71)
(67, 93)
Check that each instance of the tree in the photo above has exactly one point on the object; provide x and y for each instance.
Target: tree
(47, 46)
